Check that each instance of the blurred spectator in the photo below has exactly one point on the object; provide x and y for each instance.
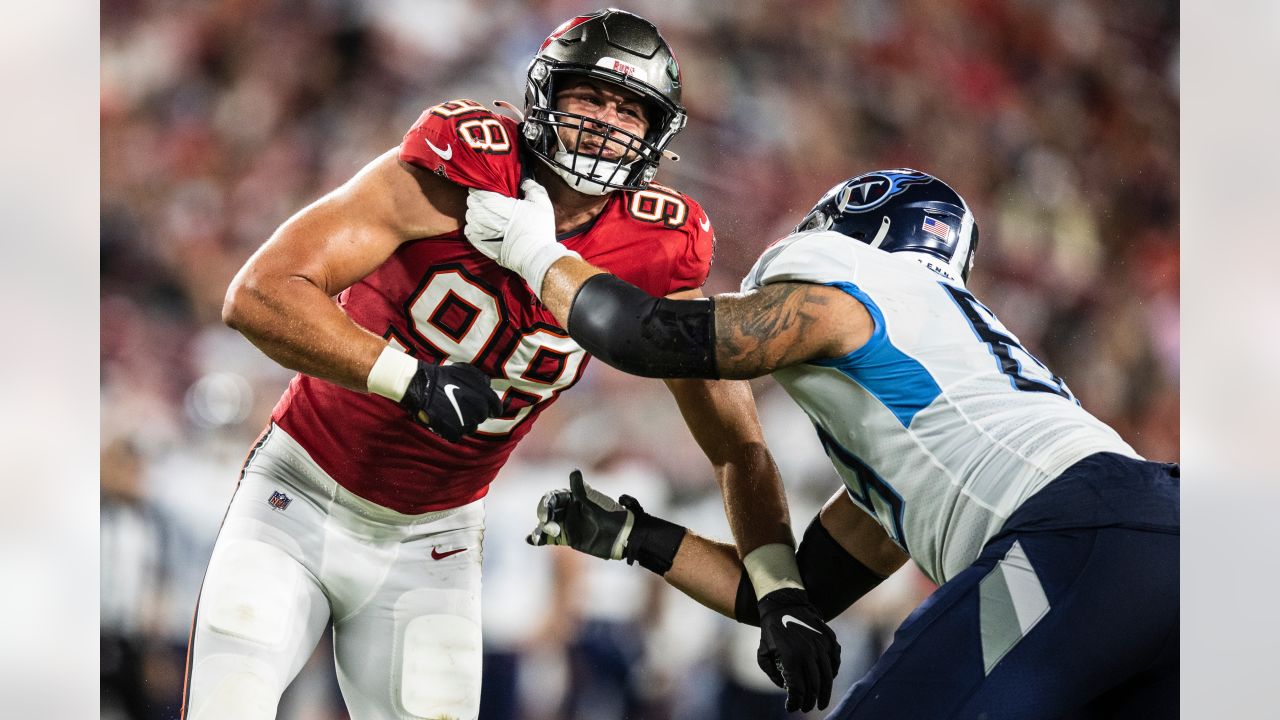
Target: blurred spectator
(139, 674)
(1057, 121)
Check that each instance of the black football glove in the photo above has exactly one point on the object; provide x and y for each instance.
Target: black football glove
(593, 523)
(451, 400)
(797, 649)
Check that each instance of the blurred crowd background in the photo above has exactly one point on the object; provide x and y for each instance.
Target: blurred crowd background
(1058, 121)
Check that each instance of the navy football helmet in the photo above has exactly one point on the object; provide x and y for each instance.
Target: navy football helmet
(902, 211)
(625, 50)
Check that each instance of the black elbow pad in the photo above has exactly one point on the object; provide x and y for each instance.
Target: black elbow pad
(639, 334)
(833, 579)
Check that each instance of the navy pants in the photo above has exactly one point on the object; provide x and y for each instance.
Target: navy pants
(1070, 612)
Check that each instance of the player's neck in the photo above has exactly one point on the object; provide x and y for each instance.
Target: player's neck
(573, 209)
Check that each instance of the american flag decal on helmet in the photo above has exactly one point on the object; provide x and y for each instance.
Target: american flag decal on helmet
(934, 227)
(279, 500)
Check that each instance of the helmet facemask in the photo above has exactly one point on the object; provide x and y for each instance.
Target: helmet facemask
(593, 174)
(627, 53)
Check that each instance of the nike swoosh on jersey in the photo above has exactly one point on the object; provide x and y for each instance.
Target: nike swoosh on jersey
(448, 392)
(437, 555)
(705, 224)
(444, 154)
(795, 621)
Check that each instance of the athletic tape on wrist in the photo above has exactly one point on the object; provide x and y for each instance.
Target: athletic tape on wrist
(772, 567)
(391, 373)
(535, 267)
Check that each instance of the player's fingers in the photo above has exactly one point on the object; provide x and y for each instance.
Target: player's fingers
(487, 214)
(825, 676)
(810, 679)
(558, 505)
(546, 506)
(834, 653)
(577, 486)
(485, 199)
(533, 191)
(769, 665)
(795, 690)
(551, 529)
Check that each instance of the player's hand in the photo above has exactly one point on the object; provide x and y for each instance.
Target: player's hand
(797, 649)
(584, 519)
(519, 235)
(505, 229)
(451, 400)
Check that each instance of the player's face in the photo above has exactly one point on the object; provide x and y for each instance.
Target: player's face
(608, 104)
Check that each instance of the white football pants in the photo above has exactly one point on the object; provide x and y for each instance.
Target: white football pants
(296, 549)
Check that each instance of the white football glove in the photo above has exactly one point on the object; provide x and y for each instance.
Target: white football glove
(519, 235)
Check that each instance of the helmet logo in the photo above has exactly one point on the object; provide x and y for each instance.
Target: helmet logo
(565, 27)
(865, 191)
(618, 66)
(874, 189)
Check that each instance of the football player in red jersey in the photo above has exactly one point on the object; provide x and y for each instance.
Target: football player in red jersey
(362, 502)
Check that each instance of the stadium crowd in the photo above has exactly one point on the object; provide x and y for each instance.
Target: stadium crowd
(1058, 121)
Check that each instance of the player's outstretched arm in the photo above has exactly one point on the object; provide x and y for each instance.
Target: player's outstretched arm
(728, 336)
(282, 299)
(844, 554)
(836, 572)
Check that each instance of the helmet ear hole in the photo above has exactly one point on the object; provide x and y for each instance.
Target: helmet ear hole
(815, 220)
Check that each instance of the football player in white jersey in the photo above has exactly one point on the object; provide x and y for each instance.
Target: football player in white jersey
(1055, 544)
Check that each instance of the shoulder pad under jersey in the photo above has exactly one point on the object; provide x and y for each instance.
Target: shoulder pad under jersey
(467, 143)
(669, 209)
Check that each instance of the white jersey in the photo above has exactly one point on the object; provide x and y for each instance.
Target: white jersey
(942, 424)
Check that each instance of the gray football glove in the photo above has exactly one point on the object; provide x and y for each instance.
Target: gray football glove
(593, 523)
(584, 519)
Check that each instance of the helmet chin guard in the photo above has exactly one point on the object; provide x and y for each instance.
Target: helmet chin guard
(589, 175)
(623, 50)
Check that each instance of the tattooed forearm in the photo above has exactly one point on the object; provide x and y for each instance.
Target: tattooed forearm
(783, 324)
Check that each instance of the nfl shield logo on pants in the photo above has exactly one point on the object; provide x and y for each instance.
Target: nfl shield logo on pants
(279, 500)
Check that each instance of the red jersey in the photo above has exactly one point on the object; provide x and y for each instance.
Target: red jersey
(438, 298)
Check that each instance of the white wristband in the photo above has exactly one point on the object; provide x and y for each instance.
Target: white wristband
(772, 567)
(391, 374)
(534, 268)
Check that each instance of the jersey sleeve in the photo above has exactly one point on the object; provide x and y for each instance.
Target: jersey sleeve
(816, 256)
(692, 265)
(467, 143)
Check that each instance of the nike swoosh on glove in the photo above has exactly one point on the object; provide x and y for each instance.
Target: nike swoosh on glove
(797, 649)
(451, 400)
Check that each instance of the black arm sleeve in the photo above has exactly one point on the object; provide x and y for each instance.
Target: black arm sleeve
(643, 335)
(832, 577)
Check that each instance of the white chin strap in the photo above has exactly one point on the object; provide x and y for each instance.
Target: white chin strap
(599, 170)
